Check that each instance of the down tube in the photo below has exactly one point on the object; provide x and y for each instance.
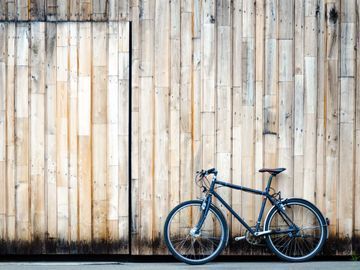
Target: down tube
(234, 213)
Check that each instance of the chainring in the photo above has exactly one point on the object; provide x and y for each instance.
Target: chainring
(253, 240)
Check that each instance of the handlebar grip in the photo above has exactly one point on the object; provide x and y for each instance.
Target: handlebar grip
(212, 170)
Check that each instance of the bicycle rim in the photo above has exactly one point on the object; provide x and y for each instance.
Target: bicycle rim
(202, 247)
(299, 244)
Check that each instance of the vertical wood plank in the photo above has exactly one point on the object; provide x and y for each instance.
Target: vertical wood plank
(112, 133)
(237, 24)
(161, 130)
(208, 133)
(196, 92)
(22, 132)
(22, 10)
(259, 93)
(98, 143)
(321, 99)
(37, 130)
(357, 136)
(50, 130)
(85, 10)
(224, 97)
(347, 118)
(186, 172)
(11, 9)
(247, 108)
(123, 10)
(37, 9)
(146, 127)
(286, 96)
(99, 10)
(310, 105)
(174, 100)
(186, 112)
(3, 131)
(74, 10)
(84, 132)
(62, 10)
(10, 128)
(73, 130)
(51, 10)
(113, 10)
(62, 153)
(146, 162)
(3, 10)
(135, 146)
(332, 115)
(346, 158)
(270, 91)
(123, 133)
(209, 63)
(299, 99)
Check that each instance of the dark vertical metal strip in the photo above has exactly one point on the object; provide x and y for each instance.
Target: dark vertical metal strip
(130, 142)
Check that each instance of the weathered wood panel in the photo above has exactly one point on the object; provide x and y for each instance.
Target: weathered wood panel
(55, 152)
(278, 87)
(65, 10)
(236, 85)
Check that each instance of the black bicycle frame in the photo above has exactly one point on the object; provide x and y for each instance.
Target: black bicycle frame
(266, 194)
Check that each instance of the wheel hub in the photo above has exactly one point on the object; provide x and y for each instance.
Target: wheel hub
(193, 232)
(295, 231)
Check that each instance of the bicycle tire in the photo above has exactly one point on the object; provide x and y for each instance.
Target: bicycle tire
(223, 240)
(321, 225)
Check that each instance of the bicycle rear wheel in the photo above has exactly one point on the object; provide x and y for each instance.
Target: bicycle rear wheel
(188, 246)
(299, 242)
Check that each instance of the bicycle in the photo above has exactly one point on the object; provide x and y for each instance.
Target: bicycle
(196, 231)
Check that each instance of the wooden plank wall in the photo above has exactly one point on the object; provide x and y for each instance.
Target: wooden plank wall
(241, 85)
(64, 137)
(64, 10)
(238, 85)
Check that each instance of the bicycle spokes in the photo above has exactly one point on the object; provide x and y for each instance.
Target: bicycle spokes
(299, 240)
(193, 243)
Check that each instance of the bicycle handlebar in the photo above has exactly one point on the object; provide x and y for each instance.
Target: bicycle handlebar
(207, 172)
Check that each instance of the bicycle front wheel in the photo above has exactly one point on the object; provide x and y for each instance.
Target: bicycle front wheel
(300, 238)
(195, 247)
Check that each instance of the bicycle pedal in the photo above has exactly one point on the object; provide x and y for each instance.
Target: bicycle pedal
(240, 238)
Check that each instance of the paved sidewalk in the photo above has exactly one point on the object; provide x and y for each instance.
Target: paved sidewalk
(333, 265)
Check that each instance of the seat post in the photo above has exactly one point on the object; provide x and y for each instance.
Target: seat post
(269, 183)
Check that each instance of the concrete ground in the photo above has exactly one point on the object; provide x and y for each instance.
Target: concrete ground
(331, 265)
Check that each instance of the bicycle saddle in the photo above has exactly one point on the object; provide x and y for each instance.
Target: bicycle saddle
(273, 171)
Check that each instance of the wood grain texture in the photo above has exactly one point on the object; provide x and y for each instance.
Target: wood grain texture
(347, 79)
(50, 131)
(22, 132)
(37, 130)
(3, 98)
(237, 85)
(10, 134)
(273, 78)
(62, 147)
(54, 123)
(161, 129)
(65, 10)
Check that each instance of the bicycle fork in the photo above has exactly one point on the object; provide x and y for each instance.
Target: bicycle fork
(205, 206)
